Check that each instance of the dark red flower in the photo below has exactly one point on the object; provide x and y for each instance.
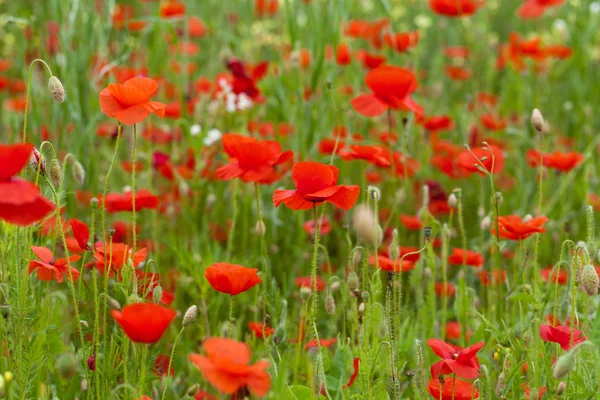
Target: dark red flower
(355, 364)
(316, 184)
(116, 202)
(324, 226)
(560, 277)
(411, 222)
(462, 362)
(144, 323)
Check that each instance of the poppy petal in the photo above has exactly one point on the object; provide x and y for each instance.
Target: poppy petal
(368, 105)
(13, 158)
(312, 177)
(292, 199)
(346, 197)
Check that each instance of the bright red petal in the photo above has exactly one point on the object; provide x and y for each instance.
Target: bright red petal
(368, 105)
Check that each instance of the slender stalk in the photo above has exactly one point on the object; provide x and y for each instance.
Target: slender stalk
(133, 212)
(29, 93)
(105, 190)
(263, 244)
(231, 301)
(538, 238)
(170, 362)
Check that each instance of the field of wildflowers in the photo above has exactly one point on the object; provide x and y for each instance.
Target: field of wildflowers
(299, 199)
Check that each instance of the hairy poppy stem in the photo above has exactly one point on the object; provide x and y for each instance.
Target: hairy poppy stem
(231, 301)
(540, 201)
(263, 244)
(29, 92)
(462, 281)
(104, 191)
(133, 213)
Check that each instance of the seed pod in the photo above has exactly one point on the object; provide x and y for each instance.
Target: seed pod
(190, 315)
(452, 201)
(352, 281)
(157, 294)
(537, 119)
(589, 280)
(66, 366)
(374, 192)
(564, 365)
(56, 89)
(55, 173)
(78, 173)
(330, 305)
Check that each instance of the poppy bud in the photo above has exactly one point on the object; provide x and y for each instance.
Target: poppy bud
(55, 173)
(335, 286)
(425, 194)
(498, 197)
(480, 212)
(279, 334)
(330, 305)
(112, 303)
(393, 388)
(56, 89)
(562, 386)
(400, 196)
(91, 362)
(157, 294)
(357, 257)
(365, 295)
(260, 228)
(564, 365)
(317, 383)
(211, 199)
(364, 222)
(78, 173)
(427, 274)
(305, 292)
(94, 202)
(534, 394)
(192, 390)
(589, 280)
(527, 218)
(486, 223)
(66, 366)
(352, 281)
(537, 119)
(374, 192)
(383, 328)
(84, 385)
(501, 385)
(427, 231)
(190, 315)
(361, 308)
(37, 160)
(452, 201)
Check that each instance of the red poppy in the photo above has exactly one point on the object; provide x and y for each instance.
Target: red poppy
(130, 102)
(411, 222)
(47, 268)
(260, 330)
(453, 330)
(492, 123)
(405, 166)
(342, 54)
(452, 389)
(448, 290)
(387, 264)
(81, 236)
(115, 255)
(226, 367)
(490, 159)
(161, 366)
(327, 343)
(355, 364)
(316, 184)
(560, 276)
(307, 282)
(245, 78)
(455, 8)
(438, 123)
(391, 87)
(492, 278)
(402, 41)
(564, 162)
(369, 60)
(144, 323)
(116, 202)
(457, 73)
(21, 202)
(531, 9)
(266, 7)
(252, 160)
(231, 279)
(562, 335)
(462, 362)
(512, 227)
(456, 52)
(172, 8)
(541, 391)
(324, 226)
(471, 258)
(372, 154)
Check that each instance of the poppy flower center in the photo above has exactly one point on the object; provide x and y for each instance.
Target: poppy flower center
(455, 356)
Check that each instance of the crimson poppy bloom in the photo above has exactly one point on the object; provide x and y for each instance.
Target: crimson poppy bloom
(391, 87)
(532, 9)
(411, 222)
(455, 8)
(452, 389)
(116, 202)
(448, 290)
(143, 322)
(457, 73)
(564, 162)
(327, 343)
(471, 258)
(115, 255)
(172, 8)
(355, 364)
(260, 330)
(560, 277)
(342, 54)
(307, 282)
(492, 278)
(231, 279)
(21, 202)
(562, 335)
(453, 330)
(490, 159)
(47, 268)
(252, 160)
(438, 123)
(374, 155)
(316, 184)
(81, 236)
(130, 102)
(512, 227)
(324, 226)
(370, 60)
(462, 362)
(226, 366)
(161, 366)
(387, 264)
(402, 41)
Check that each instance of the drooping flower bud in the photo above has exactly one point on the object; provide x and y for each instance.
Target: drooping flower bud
(452, 201)
(193, 389)
(78, 173)
(56, 89)
(365, 223)
(564, 365)
(562, 386)
(190, 315)
(537, 119)
(352, 281)
(501, 384)
(589, 280)
(55, 173)
(66, 366)
(486, 222)
(37, 160)
(330, 305)
(157, 294)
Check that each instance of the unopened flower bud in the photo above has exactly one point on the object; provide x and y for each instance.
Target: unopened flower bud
(537, 120)
(527, 218)
(190, 315)
(374, 192)
(352, 281)
(400, 196)
(193, 389)
(317, 383)
(84, 385)
(260, 228)
(480, 212)
(335, 286)
(330, 305)
(279, 334)
(365, 295)
(361, 308)
(562, 386)
(112, 303)
(94, 202)
(66, 366)
(534, 393)
(501, 384)
(357, 257)
(527, 338)
(486, 222)
(589, 280)
(78, 173)
(157, 294)
(56, 89)
(564, 365)
(425, 194)
(365, 223)
(452, 201)
(55, 173)
(305, 292)
(393, 388)
(37, 160)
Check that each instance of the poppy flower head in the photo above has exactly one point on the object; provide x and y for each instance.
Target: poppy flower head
(130, 102)
(48, 269)
(512, 227)
(468, 257)
(144, 323)
(231, 279)
(455, 8)
(462, 362)
(480, 160)
(452, 389)
(563, 335)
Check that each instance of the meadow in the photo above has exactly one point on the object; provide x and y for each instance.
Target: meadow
(299, 199)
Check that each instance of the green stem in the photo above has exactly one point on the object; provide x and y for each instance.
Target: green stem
(133, 213)
(29, 92)
(231, 301)
(106, 179)
(170, 362)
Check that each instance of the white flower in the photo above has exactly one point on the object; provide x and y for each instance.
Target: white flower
(224, 85)
(230, 101)
(195, 130)
(244, 102)
(213, 136)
